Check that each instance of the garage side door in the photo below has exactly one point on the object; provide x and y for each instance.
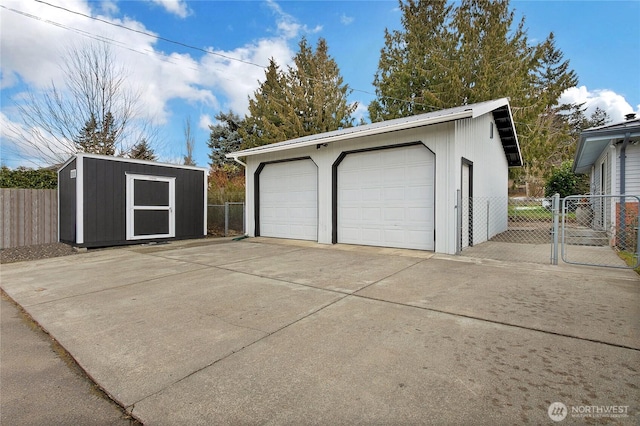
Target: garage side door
(386, 198)
(288, 202)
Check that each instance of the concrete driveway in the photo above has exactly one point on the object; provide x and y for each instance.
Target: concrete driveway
(268, 331)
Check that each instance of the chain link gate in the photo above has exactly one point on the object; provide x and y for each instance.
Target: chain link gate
(581, 229)
(600, 230)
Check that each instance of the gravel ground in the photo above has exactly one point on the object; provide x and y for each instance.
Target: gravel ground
(40, 251)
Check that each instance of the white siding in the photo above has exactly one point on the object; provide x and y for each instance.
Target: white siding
(450, 142)
(632, 170)
(490, 174)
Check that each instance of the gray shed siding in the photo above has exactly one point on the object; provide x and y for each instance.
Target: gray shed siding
(67, 204)
(104, 195)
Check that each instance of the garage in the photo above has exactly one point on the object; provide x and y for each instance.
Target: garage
(404, 183)
(288, 199)
(385, 197)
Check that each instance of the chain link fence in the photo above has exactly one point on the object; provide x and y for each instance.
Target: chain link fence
(224, 220)
(514, 229)
(594, 230)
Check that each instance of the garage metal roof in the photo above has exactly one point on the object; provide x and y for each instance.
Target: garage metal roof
(499, 107)
(596, 139)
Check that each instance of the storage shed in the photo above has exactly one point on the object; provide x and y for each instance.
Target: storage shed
(397, 183)
(106, 201)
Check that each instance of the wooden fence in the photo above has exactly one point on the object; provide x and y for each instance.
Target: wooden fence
(28, 217)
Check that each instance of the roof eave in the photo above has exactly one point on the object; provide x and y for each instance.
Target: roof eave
(81, 155)
(339, 136)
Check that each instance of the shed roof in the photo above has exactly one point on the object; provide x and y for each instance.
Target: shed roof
(499, 107)
(81, 155)
(596, 139)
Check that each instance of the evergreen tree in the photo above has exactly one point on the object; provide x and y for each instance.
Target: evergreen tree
(223, 139)
(309, 98)
(549, 139)
(318, 92)
(142, 151)
(493, 58)
(449, 55)
(97, 138)
(269, 110)
(598, 118)
(86, 140)
(107, 136)
(415, 70)
(553, 74)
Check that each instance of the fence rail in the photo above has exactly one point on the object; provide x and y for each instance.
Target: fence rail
(28, 217)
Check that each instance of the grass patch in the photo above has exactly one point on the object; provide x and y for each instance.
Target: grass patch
(630, 259)
(523, 212)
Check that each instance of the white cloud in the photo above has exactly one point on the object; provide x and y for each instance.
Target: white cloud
(31, 54)
(613, 103)
(346, 20)
(205, 121)
(30, 48)
(40, 150)
(176, 7)
(109, 7)
(288, 26)
(238, 80)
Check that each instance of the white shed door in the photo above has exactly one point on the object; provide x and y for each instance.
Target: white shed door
(386, 198)
(289, 200)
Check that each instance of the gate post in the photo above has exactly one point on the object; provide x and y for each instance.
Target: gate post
(555, 206)
(226, 218)
(458, 221)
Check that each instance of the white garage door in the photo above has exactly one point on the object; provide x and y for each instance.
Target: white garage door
(289, 200)
(386, 198)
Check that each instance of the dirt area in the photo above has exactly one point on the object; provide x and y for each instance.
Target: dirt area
(40, 251)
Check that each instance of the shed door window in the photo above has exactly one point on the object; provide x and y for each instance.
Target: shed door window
(150, 207)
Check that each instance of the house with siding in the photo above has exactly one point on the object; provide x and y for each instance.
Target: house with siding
(398, 183)
(610, 155)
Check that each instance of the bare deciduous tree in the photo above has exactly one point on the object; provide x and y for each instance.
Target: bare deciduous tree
(95, 89)
(189, 143)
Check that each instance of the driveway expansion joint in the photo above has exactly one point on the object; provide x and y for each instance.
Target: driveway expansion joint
(233, 352)
(506, 324)
(112, 288)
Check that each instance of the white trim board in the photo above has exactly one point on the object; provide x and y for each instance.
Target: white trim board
(131, 208)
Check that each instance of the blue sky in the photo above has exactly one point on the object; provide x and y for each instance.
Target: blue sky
(600, 38)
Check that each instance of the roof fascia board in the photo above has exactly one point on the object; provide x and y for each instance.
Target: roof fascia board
(513, 126)
(66, 163)
(131, 160)
(490, 106)
(353, 135)
(597, 136)
(611, 133)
